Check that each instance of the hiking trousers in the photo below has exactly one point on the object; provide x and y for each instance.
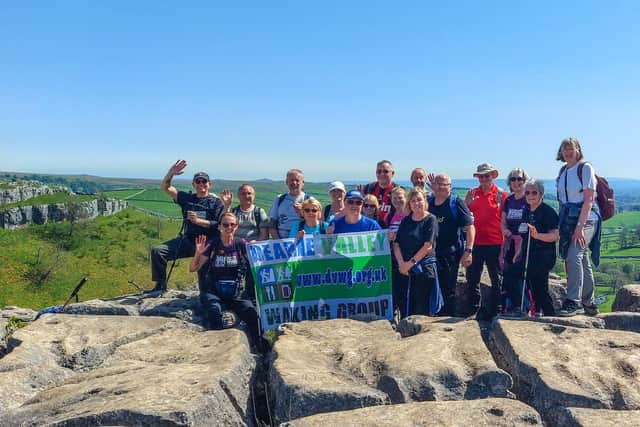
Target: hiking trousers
(487, 301)
(180, 247)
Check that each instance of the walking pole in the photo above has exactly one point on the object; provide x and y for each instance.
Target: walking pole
(526, 267)
(175, 254)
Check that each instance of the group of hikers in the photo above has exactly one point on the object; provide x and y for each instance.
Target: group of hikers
(431, 231)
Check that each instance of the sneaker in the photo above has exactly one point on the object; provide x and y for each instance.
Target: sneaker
(591, 309)
(570, 308)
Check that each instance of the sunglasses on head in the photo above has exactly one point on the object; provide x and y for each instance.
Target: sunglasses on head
(516, 178)
(200, 181)
(532, 192)
(354, 202)
(309, 210)
(228, 224)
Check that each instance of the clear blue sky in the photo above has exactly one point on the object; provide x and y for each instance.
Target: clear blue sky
(251, 89)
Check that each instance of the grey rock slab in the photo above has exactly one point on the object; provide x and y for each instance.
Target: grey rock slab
(627, 299)
(588, 322)
(481, 412)
(325, 366)
(581, 417)
(555, 366)
(622, 321)
(124, 370)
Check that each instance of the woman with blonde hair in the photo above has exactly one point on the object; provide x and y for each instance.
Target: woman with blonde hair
(311, 222)
(414, 250)
(371, 207)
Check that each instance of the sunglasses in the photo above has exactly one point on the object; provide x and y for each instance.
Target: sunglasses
(354, 202)
(516, 178)
(384, 171)
(228, 224)
(485, 175)
(200, 181)
(443, 184)
(308, 210)
(367, 206)
(533, 192)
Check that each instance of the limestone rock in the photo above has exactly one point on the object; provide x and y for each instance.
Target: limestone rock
(622, 321)
(627, 299)
(557, 366)
(333, 365)
(589, 322)
(581, 417)
(481, 412)
(123, 370)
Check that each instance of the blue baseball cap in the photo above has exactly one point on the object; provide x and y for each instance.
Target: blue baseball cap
(354, 194)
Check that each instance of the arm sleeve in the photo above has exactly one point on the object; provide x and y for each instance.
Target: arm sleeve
(465, 217)
(588, 177)
(264, 218)
(214, 214)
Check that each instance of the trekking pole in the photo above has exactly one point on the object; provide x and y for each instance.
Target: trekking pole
(74, 293)
(526, 267)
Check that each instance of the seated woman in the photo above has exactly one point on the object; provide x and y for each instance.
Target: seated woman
(414, 250)
(225, 267)
(311, 222)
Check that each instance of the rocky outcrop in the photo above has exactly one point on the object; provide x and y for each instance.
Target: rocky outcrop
(41, 214)
(627, 299)
(581, 417)
(26, 192)
(346, 364)
(122, 370)
(556, 367)
(484, 412)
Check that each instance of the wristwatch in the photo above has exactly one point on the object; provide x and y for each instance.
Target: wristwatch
(413, 260)
(468, 250)
(580, 224)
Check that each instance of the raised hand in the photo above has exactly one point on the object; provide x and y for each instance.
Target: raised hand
(227, 197)
(201, 244)
(471, 194)
(178, 167)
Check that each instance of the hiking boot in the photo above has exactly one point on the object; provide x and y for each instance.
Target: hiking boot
(157, 291)
(570, 308)
(591, 309)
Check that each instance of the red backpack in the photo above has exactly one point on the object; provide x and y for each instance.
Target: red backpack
(604, 193)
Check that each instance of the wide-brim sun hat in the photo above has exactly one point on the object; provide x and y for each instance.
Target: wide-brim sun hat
(337, 185)
(485, 168)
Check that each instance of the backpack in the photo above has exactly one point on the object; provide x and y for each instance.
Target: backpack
(284, 196)
(604, 193)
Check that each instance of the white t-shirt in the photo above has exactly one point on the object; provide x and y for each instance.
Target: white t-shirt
(573, 186)
(285, 214)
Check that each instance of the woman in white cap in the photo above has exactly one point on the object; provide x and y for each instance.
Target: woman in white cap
(485, 202)
(336, 208)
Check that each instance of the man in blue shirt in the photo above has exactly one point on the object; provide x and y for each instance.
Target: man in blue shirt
(352, 221)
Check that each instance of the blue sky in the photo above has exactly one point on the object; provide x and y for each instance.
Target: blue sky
(250, 89)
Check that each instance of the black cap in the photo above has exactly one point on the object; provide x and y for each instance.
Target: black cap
(201, 175)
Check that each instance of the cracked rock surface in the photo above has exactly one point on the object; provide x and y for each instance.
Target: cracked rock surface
(482, 412)
(345, 364)
(68, 370)
(557, 366)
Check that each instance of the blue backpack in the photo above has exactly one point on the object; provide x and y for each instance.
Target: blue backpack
(453, 207)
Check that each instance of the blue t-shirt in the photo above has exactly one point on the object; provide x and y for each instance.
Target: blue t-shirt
(365, 224)
(307, 229)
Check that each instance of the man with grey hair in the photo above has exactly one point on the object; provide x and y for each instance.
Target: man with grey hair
(454, 243)
(285, 210)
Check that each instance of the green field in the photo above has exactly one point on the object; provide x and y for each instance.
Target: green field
(110, 251)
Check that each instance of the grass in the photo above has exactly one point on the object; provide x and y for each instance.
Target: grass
(110, 251)
(48, 199)
(623, 219)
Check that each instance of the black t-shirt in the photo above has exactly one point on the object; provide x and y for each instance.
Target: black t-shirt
(412, 235)
(545, 219)
(449, 240)
(209, 208)
(226, 262)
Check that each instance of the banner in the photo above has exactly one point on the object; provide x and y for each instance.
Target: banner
(327, 276)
